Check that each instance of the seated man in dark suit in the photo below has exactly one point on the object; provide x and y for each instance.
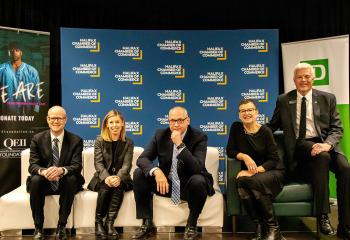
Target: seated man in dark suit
(55, 166)
(312, 130)
(181, 173)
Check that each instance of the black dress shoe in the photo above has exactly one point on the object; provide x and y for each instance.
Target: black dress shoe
(325, 225)
(144, 232)
(191, 233)
(38, 234)
(343, 232)
(61, 233)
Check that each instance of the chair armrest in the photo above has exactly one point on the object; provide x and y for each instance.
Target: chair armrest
(233, 166)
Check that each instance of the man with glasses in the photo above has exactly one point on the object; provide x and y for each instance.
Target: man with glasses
(180, 175)
(312, 130)
(55, 166)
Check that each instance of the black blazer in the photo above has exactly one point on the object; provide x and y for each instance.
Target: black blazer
(326, 118)
(191, 160)
(70, 158)
(103, 161)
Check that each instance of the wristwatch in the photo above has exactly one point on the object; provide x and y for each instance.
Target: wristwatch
(182, 145)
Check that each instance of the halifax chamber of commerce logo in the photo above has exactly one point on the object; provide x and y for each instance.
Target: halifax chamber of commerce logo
(321, 71)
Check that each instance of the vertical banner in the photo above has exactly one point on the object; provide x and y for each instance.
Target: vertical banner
(330, 59)
(24, 96)
(145, 73)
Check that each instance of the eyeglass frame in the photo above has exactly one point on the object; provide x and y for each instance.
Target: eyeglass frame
(58, 119)
(249, 110)
(178, 121)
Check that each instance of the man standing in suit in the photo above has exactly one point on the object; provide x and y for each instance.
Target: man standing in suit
(312, 130)
(181, 173)
(55, 166)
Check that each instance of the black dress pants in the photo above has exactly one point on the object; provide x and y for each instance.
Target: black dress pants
(40, 187)
(194, 191)
(316, 171)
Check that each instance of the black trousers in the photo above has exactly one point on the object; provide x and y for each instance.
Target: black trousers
(40, 187)
(194, 191)
(316, 171)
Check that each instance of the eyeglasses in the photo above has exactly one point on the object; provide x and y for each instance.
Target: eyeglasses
(54, 119)
(249, 110)
(178, 121)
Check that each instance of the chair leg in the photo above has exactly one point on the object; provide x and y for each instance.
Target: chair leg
(317, 230)
(234, 227)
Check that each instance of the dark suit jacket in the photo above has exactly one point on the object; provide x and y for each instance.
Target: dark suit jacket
(103, 161)
(70, 157)
(326, 118)
(191, 160)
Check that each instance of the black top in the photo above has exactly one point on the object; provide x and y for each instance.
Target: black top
(261, 146)
(117, 148)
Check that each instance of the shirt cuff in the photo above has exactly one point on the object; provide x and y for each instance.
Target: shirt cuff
(65, 171)
(152, 170)
(332, 146)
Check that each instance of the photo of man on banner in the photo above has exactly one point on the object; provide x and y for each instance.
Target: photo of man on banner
(19, 83)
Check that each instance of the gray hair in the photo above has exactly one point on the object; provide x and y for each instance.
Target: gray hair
(304, 66)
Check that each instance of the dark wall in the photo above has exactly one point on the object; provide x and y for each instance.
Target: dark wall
(296, 20)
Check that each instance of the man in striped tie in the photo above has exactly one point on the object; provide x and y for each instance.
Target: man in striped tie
(180, 174)
(55, 166)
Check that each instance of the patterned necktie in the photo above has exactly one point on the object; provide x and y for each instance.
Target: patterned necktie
(302, 124)
(55, 162)
(175, 185)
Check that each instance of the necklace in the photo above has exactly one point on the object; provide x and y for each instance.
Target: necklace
(252, 133)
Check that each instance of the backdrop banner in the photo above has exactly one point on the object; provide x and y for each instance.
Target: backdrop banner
(24, 97)
(144, 73)
(330, 58)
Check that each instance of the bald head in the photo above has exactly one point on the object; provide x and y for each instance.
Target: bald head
(178, 119)
(56, 109)
(180, 110)
(56, 119)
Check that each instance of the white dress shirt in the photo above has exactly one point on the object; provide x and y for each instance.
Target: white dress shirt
(310, 123)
